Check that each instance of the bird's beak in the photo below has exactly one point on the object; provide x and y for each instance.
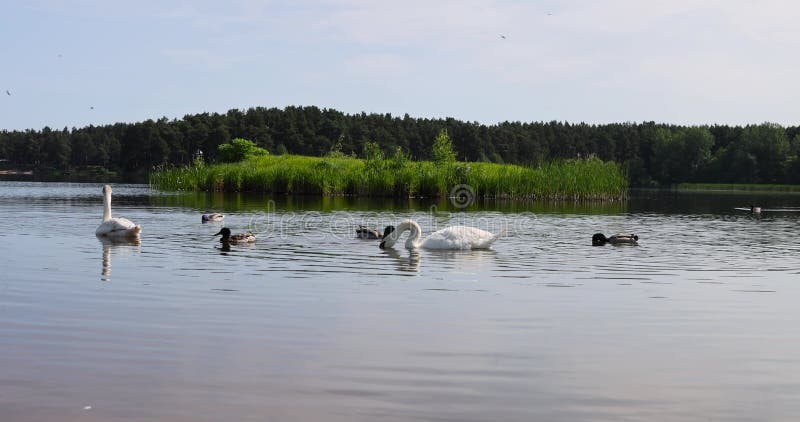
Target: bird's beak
(218, 233)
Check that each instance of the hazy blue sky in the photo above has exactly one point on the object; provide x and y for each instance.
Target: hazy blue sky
(677, 61)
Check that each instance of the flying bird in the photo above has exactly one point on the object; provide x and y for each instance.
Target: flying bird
(502, 36)
(8, 93)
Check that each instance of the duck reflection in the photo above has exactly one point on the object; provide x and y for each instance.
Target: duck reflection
(225, 246)
(407, 261)
(118, 246)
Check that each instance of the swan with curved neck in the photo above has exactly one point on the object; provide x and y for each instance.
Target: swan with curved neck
(455, 237)
(115, 227)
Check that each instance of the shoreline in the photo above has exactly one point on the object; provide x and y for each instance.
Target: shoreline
(15, 172)
(736, 187)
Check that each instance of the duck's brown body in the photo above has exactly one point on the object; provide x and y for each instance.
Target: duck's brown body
(600, 239)
(367, 233)
(227, 237)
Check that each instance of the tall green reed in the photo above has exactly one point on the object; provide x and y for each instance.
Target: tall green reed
(581, 179)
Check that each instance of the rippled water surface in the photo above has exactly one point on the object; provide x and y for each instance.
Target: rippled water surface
(700, 321)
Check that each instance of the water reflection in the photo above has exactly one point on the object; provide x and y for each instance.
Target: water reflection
(405, 260)
(442, 260)
(226, 246)
(120, 246)
(543, 327)
(709, 202)
(260, 202)
(469, 262)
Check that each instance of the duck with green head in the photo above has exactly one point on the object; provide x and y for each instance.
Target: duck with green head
(227, 237)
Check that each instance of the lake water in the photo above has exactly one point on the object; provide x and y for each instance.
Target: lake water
(700, 321)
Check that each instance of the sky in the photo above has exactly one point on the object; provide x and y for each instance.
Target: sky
(81, 62)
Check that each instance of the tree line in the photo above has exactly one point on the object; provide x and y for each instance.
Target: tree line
(653, 154)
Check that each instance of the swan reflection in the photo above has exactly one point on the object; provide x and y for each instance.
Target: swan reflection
(119, 246)
(461, 262)
(406, 261)
(471, 261)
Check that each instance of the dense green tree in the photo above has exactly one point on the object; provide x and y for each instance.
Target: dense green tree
(239, 149)
(84, 151)
(442, 150)
(793, 161)
(57, 149)
(696, 143)
(767, 142)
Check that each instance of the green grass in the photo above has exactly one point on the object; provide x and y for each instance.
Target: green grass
(587, 179)
(739, 187)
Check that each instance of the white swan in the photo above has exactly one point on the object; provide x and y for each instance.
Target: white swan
(115, 227)
(455, 237)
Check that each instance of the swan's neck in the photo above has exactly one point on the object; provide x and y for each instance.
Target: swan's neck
(107, 206)
(413, 241)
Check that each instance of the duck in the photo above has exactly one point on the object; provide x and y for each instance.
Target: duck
(754, 209)
(227, 237)
(599, 239)
(365, 233)
(212, 217)
(115, 227)
(454, 237)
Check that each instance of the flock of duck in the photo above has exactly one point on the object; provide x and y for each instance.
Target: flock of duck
(454, 237)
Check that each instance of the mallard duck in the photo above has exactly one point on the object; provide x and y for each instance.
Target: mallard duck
(600, 239)
(115, 227)
(227, 237)
(212, 217)
(366, 233)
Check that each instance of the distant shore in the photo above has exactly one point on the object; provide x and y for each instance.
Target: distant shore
(87, 174)
(738, 187)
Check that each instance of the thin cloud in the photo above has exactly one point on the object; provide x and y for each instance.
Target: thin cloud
(608, 60)
(201, 57)
(385, 65)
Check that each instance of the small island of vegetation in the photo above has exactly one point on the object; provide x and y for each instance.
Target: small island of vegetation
(252, 169)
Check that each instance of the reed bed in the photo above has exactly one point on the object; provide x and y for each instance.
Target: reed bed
(584, 179)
